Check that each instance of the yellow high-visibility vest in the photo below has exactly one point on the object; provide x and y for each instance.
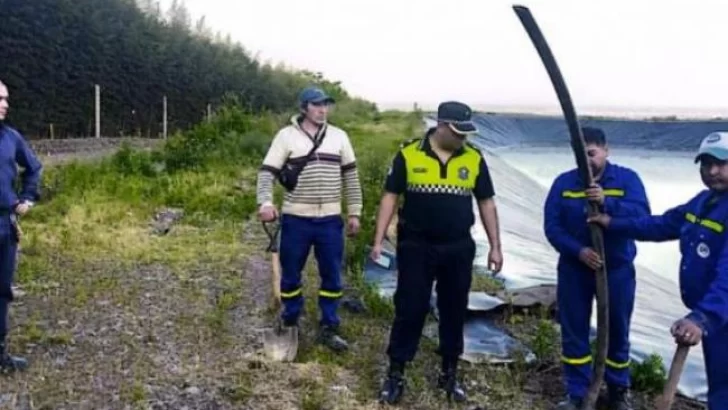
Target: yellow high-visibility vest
(426, 174)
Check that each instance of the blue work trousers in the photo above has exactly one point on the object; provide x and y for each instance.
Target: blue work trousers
(298, 235)
(576, 291)
(8, 252)
(715, 353)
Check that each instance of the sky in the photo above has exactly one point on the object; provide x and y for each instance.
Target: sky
(621, 55)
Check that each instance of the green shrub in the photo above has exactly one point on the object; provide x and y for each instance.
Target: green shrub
(649, 376)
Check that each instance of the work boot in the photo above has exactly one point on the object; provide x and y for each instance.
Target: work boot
(329, 337)
(448, 381)
(9, 363)
(619, 398)
(570, 403)
(393, 387)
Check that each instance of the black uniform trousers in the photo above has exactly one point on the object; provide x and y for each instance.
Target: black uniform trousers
(419, 264)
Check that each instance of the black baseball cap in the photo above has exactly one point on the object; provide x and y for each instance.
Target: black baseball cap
(458, 116)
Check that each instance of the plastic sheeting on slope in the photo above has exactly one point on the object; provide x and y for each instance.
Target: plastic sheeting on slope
(502, 130)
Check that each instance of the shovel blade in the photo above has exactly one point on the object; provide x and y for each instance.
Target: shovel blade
(281, 344)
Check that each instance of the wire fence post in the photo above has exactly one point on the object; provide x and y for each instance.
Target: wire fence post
(97, 93)
(164, 117)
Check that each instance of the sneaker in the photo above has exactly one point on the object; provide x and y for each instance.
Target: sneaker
(393, 387)
(10, 363)
(329, 337)
(570, 403)
(449, 383)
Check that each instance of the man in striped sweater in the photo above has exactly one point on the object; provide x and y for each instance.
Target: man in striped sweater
(312, 212)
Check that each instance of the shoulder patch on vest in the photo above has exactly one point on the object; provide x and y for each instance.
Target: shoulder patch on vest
(463, 173)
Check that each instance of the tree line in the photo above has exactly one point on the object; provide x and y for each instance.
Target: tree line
(53, 53)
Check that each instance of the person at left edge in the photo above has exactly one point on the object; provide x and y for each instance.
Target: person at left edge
(438, 176)
(13, 150)
(618, 190)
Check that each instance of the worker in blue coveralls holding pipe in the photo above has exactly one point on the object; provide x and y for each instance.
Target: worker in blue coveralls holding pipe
(618, 191)
(13, 150)
(700, 225)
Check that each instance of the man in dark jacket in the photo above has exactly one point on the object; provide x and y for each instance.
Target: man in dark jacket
(13, 150)
(618, 191)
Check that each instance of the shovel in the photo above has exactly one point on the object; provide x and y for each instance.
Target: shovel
(664, 402)
(281, 342)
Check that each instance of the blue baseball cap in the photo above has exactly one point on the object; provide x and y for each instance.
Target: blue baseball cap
(715, 145)
(314, 95)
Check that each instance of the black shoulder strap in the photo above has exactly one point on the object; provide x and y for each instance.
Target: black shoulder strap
(318, 139)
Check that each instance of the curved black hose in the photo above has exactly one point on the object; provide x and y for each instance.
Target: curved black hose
(578, 146)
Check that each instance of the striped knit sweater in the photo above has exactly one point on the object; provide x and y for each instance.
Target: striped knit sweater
(331, 168)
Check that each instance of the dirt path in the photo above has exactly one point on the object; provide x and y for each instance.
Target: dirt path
(111, 335)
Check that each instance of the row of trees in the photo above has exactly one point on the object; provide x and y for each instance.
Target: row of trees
(54, 52)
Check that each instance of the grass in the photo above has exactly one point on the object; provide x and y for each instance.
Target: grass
(117, 315)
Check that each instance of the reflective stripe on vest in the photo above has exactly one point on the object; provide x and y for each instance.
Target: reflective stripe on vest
(713, 225)
(582, 194)
(423, 172)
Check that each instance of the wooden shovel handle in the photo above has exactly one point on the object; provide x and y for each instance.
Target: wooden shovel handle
(664, 402)
(276, 279)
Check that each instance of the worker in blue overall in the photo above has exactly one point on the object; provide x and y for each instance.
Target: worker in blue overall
(617, 190)
(13, 150)
(700, 225)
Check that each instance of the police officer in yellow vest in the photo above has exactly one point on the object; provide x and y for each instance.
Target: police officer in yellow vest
(438, 176)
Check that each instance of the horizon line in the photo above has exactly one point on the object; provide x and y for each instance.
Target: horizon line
(583, 110)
